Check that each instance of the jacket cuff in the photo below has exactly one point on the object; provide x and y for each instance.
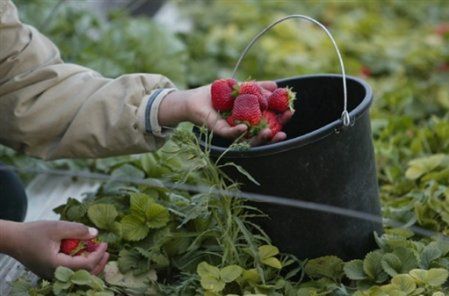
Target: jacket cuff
(148, 117)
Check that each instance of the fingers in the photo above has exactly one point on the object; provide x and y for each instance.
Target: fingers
(223, 129)
(268, 85)
(219, 126)
(89, 262)
(285, 117)
(66, 229)
(100, 267)
(262, 137)
(280, 136)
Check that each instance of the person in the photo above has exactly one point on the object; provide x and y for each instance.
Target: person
(51, 109)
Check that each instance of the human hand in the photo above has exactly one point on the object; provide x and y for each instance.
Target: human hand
(195, 105)
(36, 245)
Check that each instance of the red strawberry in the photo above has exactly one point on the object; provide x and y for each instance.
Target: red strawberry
(91, 245)
(246, 109)
(72, 247)
(281, 100)
(270, 120)
(75, 247)
(263, 102)
(222, 94)
(230, 120)
(252, 88)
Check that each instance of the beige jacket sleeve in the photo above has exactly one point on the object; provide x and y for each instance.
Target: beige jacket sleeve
(50, 109)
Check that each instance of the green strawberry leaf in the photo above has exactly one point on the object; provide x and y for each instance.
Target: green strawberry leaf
(209, 282)
(205, 269)
(372, 266)
(408, 259)
(133, 228)
(436, 277)
(266, 254)
(267, 251)
(128, 260)
(157, 216)
(58, 287)
(419, 275)
(63, 274)
(149, 164)
(404, 282)
(81, 277)
(354, 270)
(97, 284)
(391, 264)
(112, 274)
(273, 262)
(251, 275)
(429, 253)
(327, 266)
(102, 215)
(139, 203)
(230, 273)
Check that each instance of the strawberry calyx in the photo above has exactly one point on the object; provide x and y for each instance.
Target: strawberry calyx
(226, 114)
(81, 246)
(291, 98)
(235, 90)
(256, 129)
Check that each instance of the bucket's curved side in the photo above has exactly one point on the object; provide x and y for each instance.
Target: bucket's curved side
(337, 170)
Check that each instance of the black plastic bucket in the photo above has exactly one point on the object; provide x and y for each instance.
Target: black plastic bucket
(321, 161)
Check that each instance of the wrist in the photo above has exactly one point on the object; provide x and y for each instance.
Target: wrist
(172, 109)
(9, 235)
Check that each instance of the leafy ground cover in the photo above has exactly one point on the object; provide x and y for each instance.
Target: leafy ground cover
(177, 242)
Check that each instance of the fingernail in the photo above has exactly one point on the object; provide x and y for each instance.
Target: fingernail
(93, 231)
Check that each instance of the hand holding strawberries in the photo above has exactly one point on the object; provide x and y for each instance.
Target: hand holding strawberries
(196, 105)
(37, 245)
(260, 107)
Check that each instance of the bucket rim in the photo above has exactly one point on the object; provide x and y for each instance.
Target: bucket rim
(335, 126)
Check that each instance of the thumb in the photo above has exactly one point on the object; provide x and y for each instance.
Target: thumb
(75, 230)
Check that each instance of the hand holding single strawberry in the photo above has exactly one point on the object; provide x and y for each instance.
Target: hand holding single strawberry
(37, 245)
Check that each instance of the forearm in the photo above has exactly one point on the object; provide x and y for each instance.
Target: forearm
(9, 232)
(51, 109)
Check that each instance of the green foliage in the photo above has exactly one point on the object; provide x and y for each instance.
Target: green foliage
(267, 255)
(416, 282)
(329, 266)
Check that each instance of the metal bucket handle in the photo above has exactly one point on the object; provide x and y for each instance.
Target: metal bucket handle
(345, 115)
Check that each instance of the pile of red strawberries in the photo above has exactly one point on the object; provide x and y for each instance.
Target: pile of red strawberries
(251, 104)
